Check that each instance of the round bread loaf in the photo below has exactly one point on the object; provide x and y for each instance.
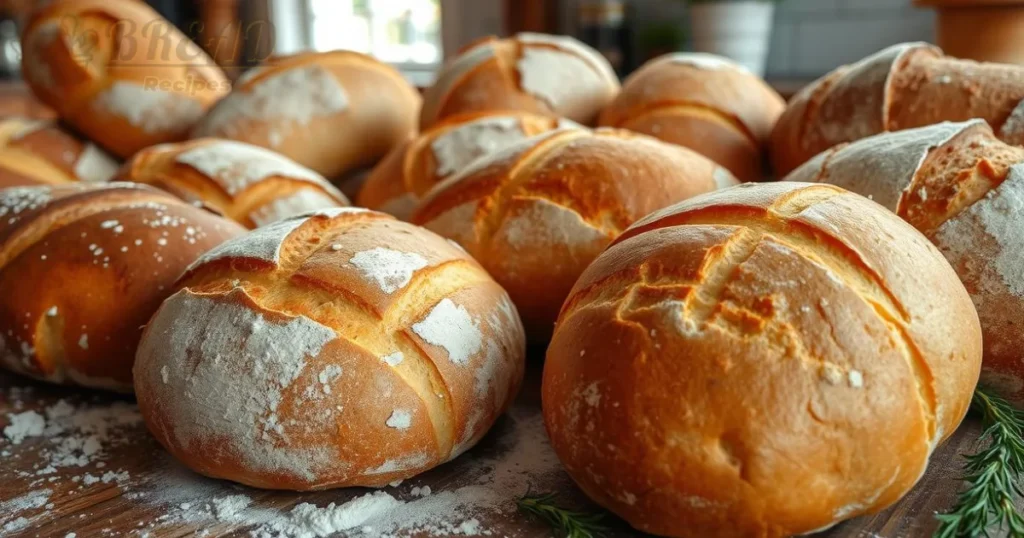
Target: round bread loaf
(83, 267)
(247, 183)
(964, 189)
(37, 152)
(556, 76)
(704, 102)
(408, 172)
(330, 111)
(118, 72)
(16, 99)
(730, 354)
(537, 213)
(342, 349)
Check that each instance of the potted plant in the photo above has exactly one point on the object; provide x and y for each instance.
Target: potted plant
(982, 30)
(737, 29)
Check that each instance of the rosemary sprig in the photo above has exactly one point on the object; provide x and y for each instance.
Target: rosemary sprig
(565, 523)
(992, 474)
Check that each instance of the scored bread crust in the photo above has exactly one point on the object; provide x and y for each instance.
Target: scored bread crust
(900, 87)
(375, 349)
(543, 74)
(333, 111)
(251, 185)
(537, 213)
(704, 102)
(37, 152)
(413, 168)
(82, 267)
(964, 189)
(731, 353)
(118, 72)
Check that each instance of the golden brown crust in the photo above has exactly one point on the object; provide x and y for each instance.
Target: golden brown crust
(17, 100)
(542, 74)
(148, 85)
(536, 214)
(82, 267)
(384, 351)
(248, 184)
(734, 350)
(413, 168)
(330, 111)
(702, 102)
(38, 152)
(904, 86)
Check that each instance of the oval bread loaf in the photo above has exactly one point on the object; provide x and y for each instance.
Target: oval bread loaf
(704, 102)
(901, 87)
(329, 111)
(342, 349)
(964, 189)
(83, 267)
(555, 76)
(37, 152)
(537, 213)
(118, 72)
(730, 354)
(246, 183)
(412, 169)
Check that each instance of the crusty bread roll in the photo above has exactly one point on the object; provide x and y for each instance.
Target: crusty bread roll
(343, 349)
(38, 152)
(118, 72)
(247, 183)
(83, 266)
(903, 86)
(964, 189)
(16, 99)
(704, 102)
(537, 213)
(766, 360)
(329, 111)
(413, 168)
(556, 76)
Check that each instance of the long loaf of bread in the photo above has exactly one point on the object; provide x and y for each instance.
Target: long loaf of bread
(36, 152)
(901, 87)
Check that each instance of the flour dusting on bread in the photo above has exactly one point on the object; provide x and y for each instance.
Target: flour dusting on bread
(236, 166)
(450, 327)
(301, 202)
(392, 270)
(150, 109)
(460, 146)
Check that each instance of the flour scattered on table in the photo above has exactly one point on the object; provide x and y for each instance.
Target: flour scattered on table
(24, 425)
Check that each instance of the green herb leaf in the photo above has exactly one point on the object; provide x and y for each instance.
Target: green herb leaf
(992, 475)
(564, 523)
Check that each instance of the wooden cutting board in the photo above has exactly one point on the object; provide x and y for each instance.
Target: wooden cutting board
(131, 487)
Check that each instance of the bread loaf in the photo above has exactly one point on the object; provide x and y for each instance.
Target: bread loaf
(83, 267)
(329, 111)
(17, 100)
(537, 213)
(964, 189)
(903, 86)
(704, 102)
(38, 152)
(730, 355)
(246, 183)
(343, 349)
(413, 168)
(556, 76)
(118, 72)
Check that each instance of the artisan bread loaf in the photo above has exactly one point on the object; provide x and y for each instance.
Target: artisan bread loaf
(246, 183)
(704, 102)
(901, 87)
(342, 349)
(413, 168)
(330, 111)
(118, 72)
(544, 74)
(964, 189)
(83, 266)
(766, 360)
(38, 152)
(537, 213)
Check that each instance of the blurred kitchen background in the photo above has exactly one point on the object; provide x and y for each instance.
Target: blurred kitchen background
(789, 41)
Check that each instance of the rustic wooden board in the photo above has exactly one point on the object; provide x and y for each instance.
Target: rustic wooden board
(156, 486)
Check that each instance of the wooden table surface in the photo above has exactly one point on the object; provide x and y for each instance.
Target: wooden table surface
(131, 487)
